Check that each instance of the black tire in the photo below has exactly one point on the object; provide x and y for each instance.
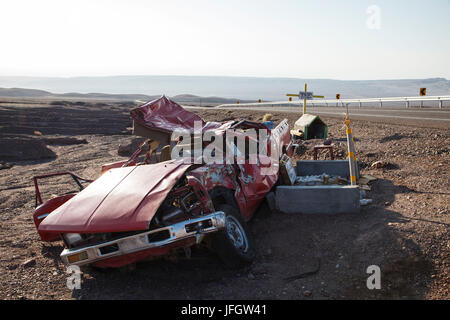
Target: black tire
(233, 244)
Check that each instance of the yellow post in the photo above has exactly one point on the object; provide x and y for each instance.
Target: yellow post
(351, 152)
(304, 100)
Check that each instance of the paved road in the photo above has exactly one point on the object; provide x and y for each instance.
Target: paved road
(426, 117)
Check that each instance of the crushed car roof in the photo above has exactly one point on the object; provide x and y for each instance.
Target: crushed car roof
(166, 115)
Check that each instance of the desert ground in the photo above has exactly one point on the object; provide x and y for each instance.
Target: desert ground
(405, 230)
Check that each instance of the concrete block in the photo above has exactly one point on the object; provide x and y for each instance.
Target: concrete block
(331, 167)
(317, 199)
(270, 198)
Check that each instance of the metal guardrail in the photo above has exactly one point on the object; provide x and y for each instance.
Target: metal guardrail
(343, 102)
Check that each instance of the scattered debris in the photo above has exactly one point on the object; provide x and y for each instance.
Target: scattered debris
(128, 149)
(378, 164)
(269, 124)
(383, 165)
(366, 179)
(297, 134)
(364, 182)
(287, 171)
(267, 117)
(29, 263)
(323, 179)
(307, 293)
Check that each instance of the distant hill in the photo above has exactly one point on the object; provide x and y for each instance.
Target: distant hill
(33, 93)
(231, 88)
(19, 92)
(42, 94)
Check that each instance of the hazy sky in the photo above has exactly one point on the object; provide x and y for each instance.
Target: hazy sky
(279, 38)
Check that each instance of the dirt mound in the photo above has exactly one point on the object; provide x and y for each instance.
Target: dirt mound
(64, 141)
(60, 103)
(64, 120)
(24, 148)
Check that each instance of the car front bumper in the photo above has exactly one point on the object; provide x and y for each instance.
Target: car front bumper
(147, 240)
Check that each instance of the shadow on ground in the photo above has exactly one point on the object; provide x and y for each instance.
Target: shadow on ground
(299, 257)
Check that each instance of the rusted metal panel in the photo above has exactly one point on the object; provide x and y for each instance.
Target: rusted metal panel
(165, 115)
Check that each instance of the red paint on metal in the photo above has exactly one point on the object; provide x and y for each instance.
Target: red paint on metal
(122, 199)
(41, 213)
(165, 115)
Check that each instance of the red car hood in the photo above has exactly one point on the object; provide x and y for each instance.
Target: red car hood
(122, 199)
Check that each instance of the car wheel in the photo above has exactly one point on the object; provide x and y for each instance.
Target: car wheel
(234, 243)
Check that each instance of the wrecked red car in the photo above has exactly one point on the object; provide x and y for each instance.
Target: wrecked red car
(140, 209)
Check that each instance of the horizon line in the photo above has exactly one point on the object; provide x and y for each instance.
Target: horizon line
(216, 76)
